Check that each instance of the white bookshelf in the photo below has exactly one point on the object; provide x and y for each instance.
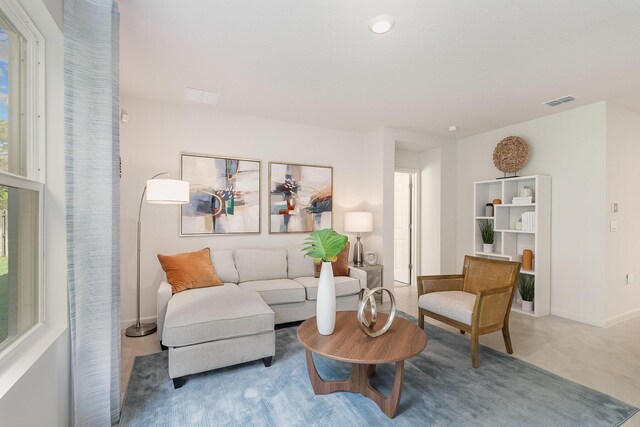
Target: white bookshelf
(509, 243)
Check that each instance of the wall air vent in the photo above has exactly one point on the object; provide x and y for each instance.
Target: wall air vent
(556, 102)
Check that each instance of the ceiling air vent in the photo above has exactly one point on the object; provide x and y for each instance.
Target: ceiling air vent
(559, 101)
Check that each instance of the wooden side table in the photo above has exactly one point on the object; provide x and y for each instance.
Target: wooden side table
(374, 276)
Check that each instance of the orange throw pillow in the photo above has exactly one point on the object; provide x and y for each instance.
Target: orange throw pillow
(341, 266)
(190, 270)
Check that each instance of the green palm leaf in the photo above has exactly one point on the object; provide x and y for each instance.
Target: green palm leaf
(324, 245)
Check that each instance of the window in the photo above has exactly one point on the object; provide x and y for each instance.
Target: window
(21, 193)
(12, 81)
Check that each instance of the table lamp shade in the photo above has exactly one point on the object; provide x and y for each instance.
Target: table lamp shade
(358, 222)
(167, 191)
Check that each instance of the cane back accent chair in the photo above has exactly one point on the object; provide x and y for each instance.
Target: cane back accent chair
(477, 301)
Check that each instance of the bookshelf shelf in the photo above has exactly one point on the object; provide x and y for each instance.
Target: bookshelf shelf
(514, 231)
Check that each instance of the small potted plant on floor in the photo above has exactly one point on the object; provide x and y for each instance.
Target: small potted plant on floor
(526, 287)
(324, 246)
(486, 231)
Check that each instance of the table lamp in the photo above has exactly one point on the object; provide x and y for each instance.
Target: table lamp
(163, 191)
(358, 222)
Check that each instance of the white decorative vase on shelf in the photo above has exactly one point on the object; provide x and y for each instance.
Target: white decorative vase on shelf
(326, 301)
(527, 305)
(487, 248)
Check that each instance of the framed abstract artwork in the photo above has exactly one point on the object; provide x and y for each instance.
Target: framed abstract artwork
(224, 195)
(300, 197)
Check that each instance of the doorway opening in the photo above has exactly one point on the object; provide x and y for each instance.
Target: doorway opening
(405, 227)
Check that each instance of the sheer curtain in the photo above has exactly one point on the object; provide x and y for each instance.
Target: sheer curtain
(93, 208)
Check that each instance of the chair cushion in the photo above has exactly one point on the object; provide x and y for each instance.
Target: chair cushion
(456, 305)
(344, 286)
(261, 264)
(298, 264)
(190, 270)
(278, 291)
(211, 314)
(225, 265)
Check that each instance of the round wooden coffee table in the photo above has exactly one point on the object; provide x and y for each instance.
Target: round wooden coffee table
(348, 344)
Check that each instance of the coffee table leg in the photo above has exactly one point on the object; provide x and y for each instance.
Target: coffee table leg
(371, 370)
(358, 382)
(388, 404)
(321, 386)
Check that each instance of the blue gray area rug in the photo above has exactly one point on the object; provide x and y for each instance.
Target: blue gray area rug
(440, 389)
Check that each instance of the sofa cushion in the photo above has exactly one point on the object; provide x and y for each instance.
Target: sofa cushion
(217, 313)
(261, 264)
(225, 266)
(344, 286)
(341, 265)
(298, 264)
(456, 305)
(190, 270)
(278, 291)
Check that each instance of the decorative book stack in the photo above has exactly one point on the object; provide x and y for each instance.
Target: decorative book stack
(522, 200)
(529, 221)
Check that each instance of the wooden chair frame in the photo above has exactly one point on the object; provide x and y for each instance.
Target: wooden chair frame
(492, 305)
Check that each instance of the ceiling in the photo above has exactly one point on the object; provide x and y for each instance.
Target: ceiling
(479, 65)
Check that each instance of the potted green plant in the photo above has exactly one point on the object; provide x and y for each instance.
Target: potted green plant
(486, 231)
(526, 287)
(324, 246)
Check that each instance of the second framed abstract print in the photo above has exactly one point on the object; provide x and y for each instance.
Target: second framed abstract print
(300, 198)
(224, 195)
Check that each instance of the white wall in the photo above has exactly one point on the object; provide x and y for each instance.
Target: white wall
(35, 383)
(408, 159)
(437, 226)
(438, 218)
(156, 134)
(570, 147)
(430, 218)
(448, 209)
(623, 246)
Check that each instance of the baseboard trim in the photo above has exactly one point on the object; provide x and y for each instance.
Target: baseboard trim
(124, 324)
(622, 317)
(578, 318)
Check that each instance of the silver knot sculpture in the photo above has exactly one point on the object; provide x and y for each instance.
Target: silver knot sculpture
(367, 296)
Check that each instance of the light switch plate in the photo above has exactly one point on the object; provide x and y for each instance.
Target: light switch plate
(614, 207)
(613, 226)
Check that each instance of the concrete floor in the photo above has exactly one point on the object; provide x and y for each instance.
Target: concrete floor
(607, 360)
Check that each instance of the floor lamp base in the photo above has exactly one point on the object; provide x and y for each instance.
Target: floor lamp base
(141, 331)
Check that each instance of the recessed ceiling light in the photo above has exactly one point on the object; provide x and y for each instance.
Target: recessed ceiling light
(453, 128)
(201, 96)
(381, 24)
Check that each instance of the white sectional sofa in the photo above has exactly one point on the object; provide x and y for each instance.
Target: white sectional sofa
(209, 328)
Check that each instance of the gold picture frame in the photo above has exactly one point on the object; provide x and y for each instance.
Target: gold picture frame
(302, 191)
(222, 203)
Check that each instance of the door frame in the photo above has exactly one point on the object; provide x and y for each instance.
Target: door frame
(415, 219)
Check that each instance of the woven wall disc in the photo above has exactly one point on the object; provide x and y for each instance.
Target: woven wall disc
(511, 154)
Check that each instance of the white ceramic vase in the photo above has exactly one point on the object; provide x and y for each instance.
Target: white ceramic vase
(326, 301)
(527, 305)
(487, 248)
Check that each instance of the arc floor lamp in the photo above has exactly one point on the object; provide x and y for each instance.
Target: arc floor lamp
(164, 191)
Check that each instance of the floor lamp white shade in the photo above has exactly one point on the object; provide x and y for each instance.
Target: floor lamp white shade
(165, 191)
(358, 222)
